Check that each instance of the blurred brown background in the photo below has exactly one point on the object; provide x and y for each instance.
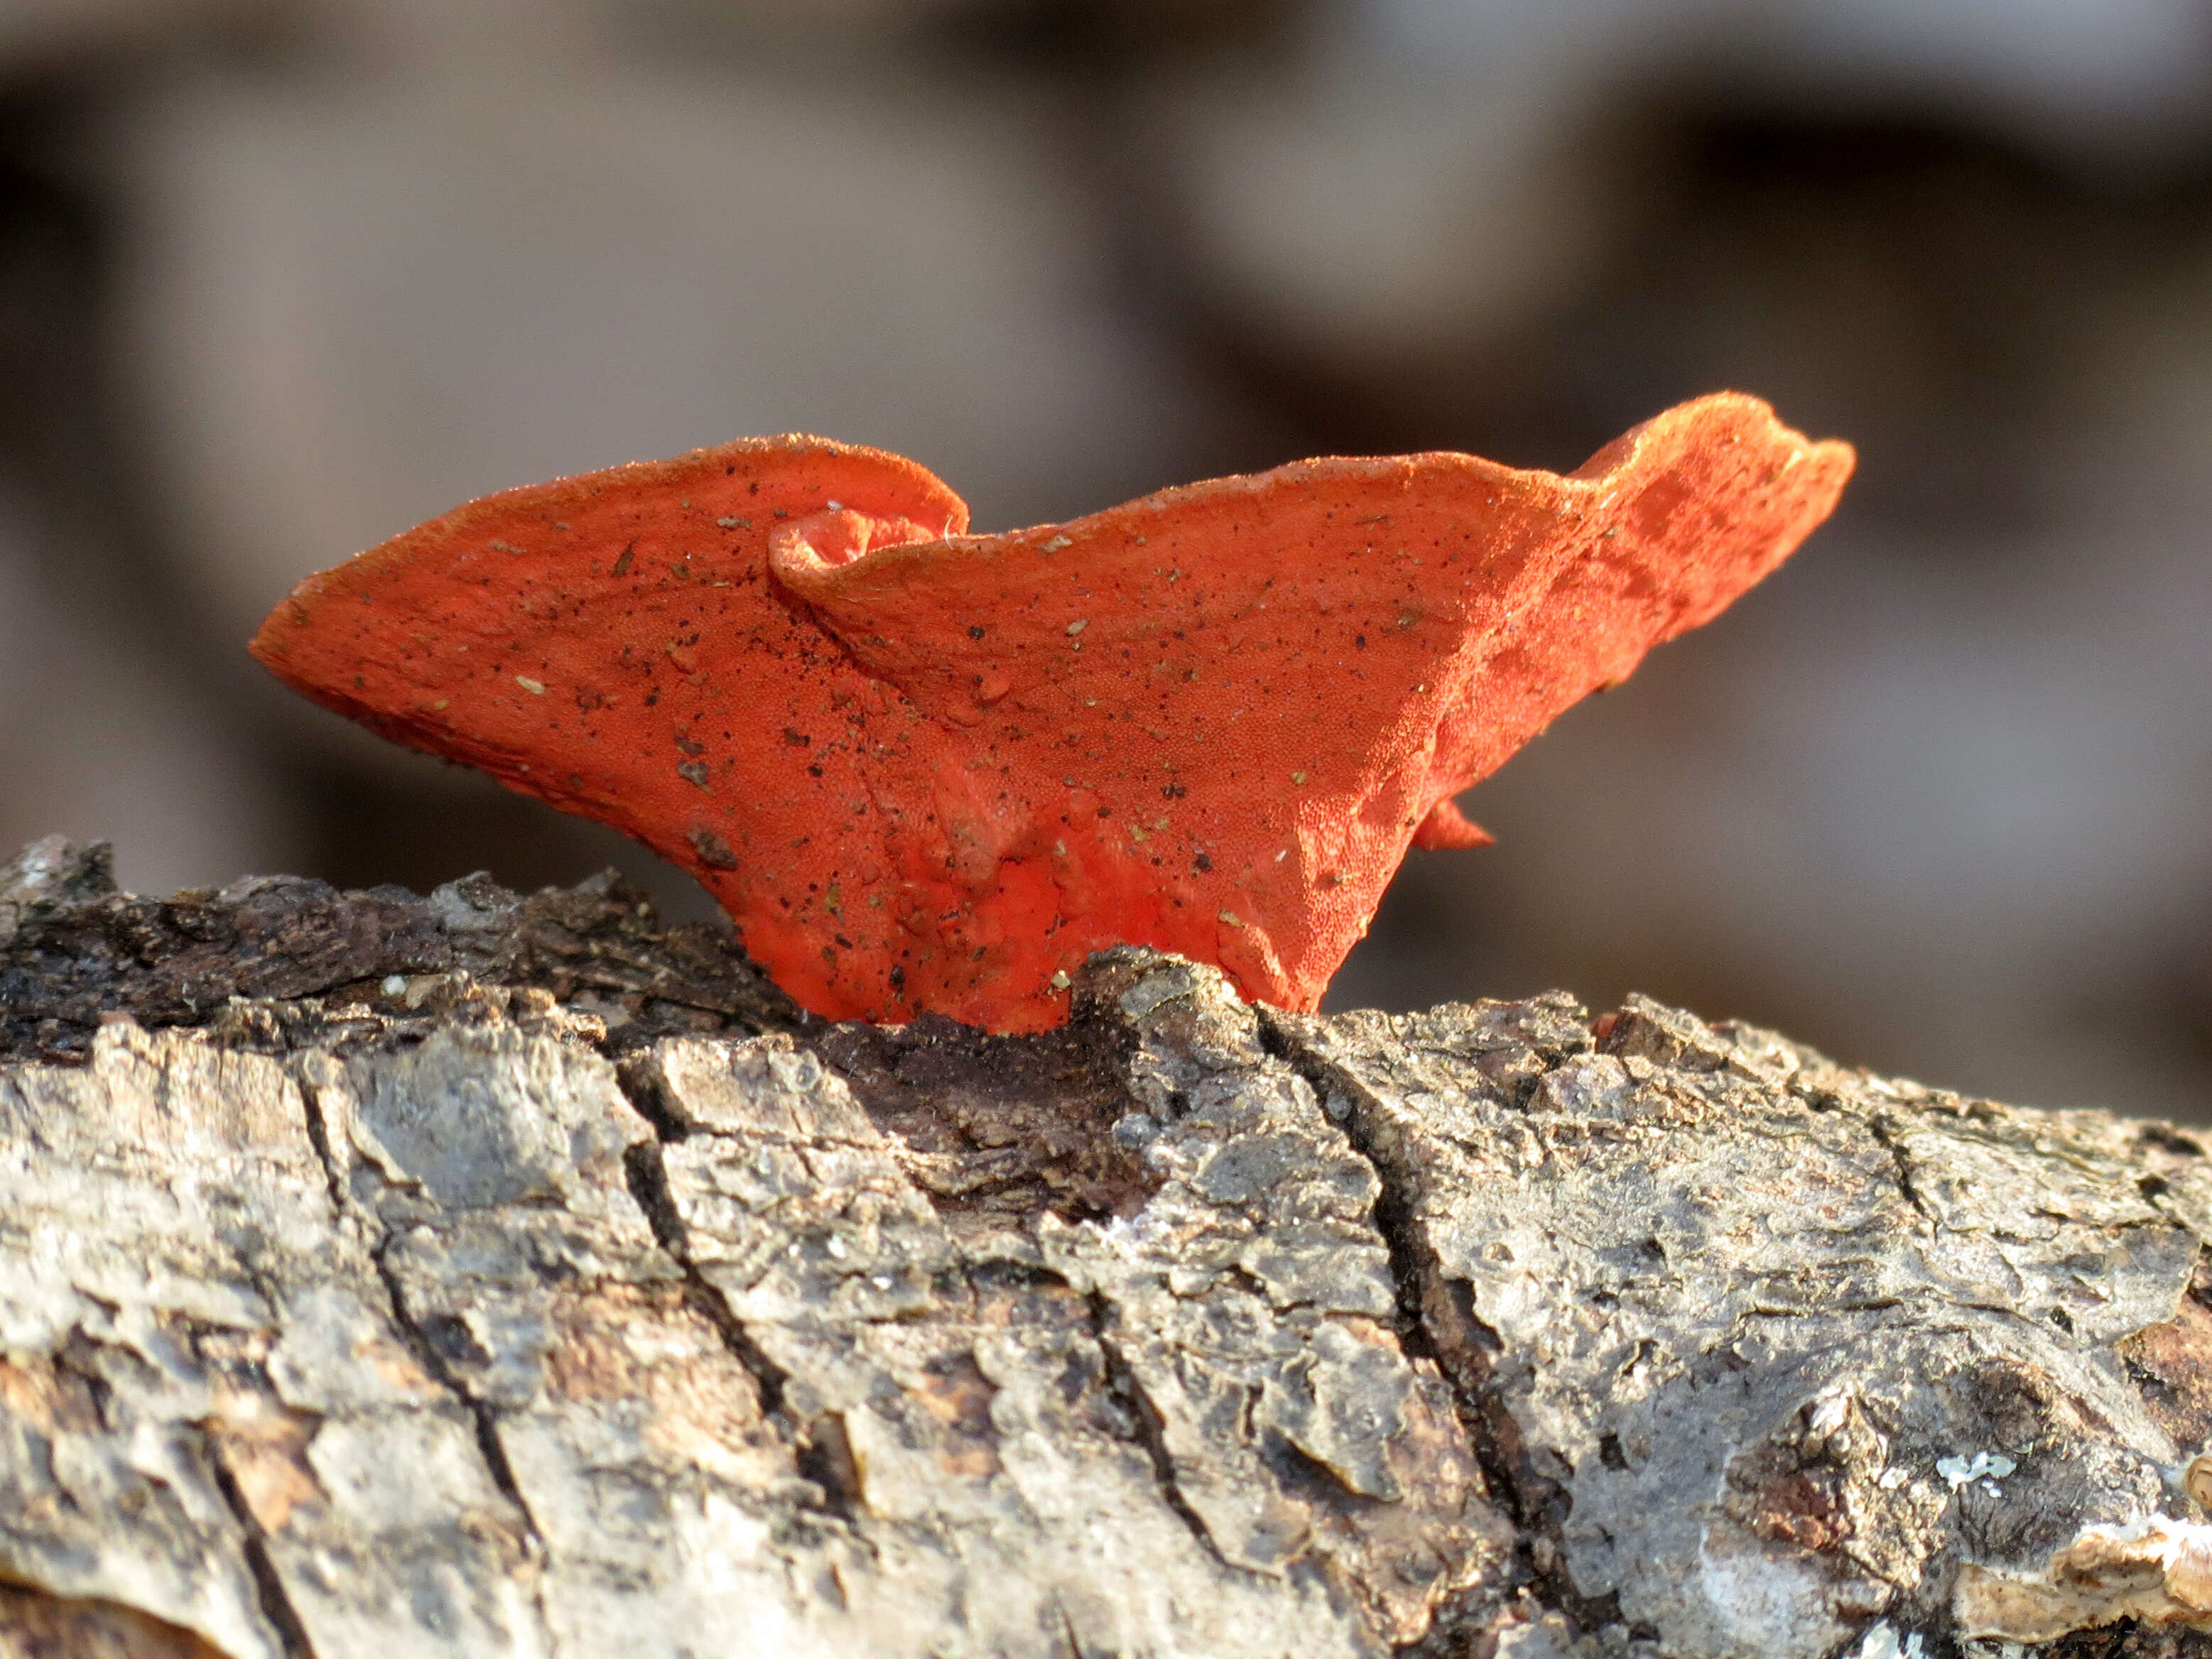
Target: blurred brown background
(280, 277)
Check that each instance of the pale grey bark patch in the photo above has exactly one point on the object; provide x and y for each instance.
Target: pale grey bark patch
(1723, 1308)
(444, 1312)
(1128, 1436)
(214, 1418)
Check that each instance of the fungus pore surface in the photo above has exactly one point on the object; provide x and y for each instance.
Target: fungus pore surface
(923, 769)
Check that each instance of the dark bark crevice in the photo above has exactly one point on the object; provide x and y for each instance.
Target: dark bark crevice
(1149, 1427)
(269, 1584)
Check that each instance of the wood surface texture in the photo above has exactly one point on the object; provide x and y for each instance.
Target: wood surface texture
(385, 1275)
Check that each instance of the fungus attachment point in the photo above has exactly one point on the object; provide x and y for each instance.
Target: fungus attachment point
(965, 763)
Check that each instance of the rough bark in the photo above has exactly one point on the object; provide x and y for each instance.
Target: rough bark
(471, 1274)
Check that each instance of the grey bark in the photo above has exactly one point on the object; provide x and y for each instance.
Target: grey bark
(471, 1274)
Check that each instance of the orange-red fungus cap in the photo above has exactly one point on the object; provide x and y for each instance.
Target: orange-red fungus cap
(929, 770)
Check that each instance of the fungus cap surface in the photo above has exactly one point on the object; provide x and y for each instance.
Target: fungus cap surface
(923, 769)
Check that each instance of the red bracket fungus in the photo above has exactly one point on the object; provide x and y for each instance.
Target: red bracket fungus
(923, 769)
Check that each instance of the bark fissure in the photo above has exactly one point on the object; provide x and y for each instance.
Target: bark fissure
(648, 1184)
(1409, 1275)
(301, 1070)
(268, 1583)
(1421, 1285)
(1149, 1428)
(817, 1444)
(483, 1418)
(1884, 1133)
(1417, 1278)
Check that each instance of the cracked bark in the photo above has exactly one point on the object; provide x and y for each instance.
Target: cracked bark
(478, 1275)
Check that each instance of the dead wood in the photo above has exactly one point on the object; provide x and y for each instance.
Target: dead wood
(385, 1275)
